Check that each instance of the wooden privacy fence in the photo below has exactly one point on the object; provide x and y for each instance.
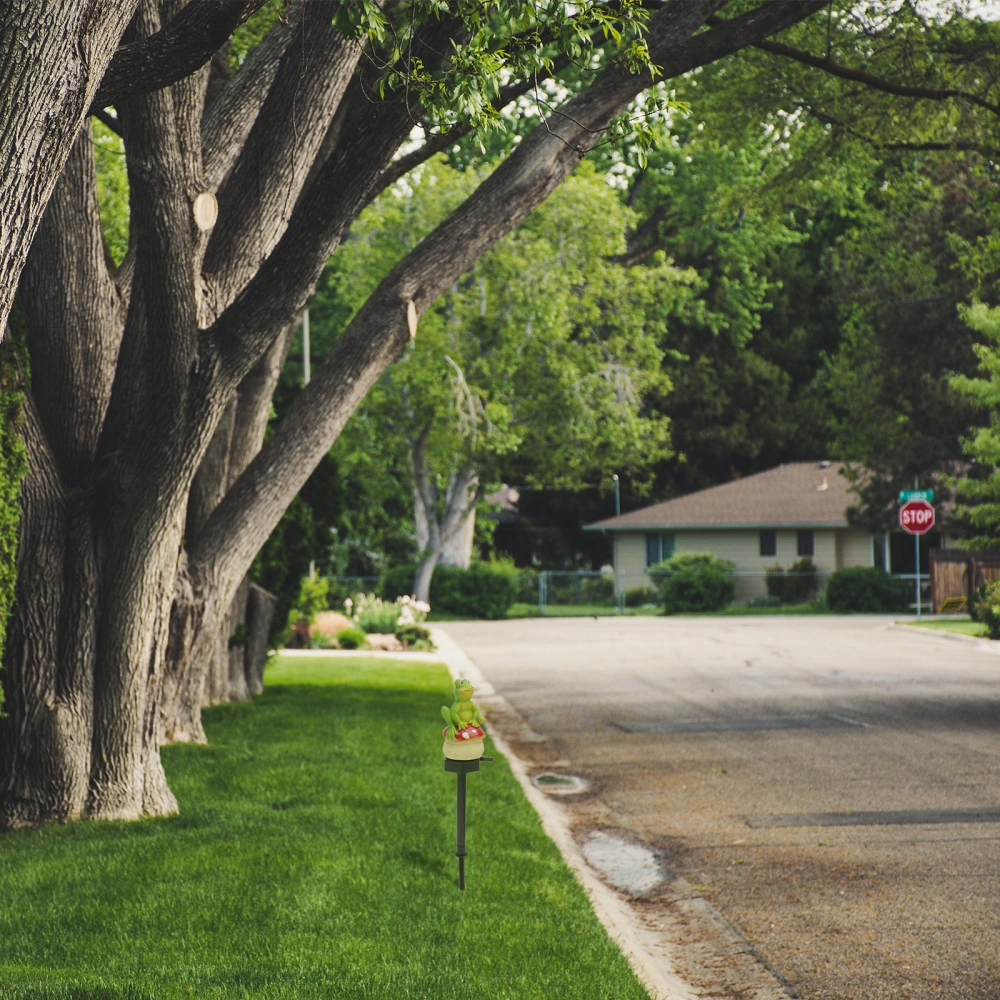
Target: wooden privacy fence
(958, 572)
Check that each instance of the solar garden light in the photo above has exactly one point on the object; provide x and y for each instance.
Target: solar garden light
(463, 750)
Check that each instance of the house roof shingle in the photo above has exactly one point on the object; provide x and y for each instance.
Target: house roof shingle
(800, 494)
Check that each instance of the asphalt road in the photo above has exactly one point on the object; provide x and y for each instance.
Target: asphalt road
(734, 747)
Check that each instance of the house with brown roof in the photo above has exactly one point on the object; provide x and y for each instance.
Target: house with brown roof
(773, 518)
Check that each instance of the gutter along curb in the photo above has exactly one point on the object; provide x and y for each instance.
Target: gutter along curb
(648, 953)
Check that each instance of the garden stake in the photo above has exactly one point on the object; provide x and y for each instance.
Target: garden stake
(463, 750)
(461, 769)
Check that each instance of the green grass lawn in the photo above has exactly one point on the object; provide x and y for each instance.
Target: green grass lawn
(313, 857)
(963, 626)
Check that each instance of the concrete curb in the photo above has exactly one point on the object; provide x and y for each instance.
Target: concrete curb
(647, 952)
(986, 645)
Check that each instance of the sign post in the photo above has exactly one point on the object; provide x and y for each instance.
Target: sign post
(916, 517)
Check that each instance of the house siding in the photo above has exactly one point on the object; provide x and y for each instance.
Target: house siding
(834, 548)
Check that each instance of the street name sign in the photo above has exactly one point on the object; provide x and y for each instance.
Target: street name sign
(916, 517)
(907, 495)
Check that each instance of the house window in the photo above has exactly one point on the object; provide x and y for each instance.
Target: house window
(652, 550)
(807, 545)
(769, 543)
(666, 546)
(658, 548)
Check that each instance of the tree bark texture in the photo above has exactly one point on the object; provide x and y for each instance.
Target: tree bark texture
(53, 54)
(150, 489)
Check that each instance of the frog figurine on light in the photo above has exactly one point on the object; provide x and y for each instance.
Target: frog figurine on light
(464, 734)
(464, 739)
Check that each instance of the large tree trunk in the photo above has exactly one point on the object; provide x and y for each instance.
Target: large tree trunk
(75, 319)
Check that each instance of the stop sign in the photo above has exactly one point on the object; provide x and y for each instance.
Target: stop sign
(916, 517)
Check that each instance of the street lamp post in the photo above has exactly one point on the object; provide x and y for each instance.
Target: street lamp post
(618, 584)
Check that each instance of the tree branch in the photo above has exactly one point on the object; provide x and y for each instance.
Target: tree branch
(184, 45)
(260, 193)
(231, 115)
(109, 121)
(959, 145)
(870, 80)
(440, 142)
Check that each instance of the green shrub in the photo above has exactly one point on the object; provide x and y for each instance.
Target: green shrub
(415, 637)
(484, 590)
(375, 614)
(975, 599)
(352, 638)
(796, 586)
(694, 581)
(867, 589)
(312, 599)
(636, 597)
(987, 608)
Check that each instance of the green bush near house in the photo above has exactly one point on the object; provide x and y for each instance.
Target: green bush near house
(694, 581)
(636, 597)
(867, 589)
(484, 590)
(975, 599)
(987, 608)
(796, 586)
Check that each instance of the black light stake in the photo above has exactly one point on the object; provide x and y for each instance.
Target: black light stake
(461, 769)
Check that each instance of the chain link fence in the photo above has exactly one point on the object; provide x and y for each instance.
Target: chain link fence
(586, 592)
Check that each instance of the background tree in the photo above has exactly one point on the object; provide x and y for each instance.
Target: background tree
(534, 365)
(978, 511)
(889, 125)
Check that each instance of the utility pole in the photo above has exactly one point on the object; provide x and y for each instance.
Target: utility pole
(619, 584)
(305, 346)
(916, 561)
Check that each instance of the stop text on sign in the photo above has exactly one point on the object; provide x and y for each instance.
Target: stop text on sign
(916, 517)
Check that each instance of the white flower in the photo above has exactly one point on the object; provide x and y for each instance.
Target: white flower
(348, 603)
(403, 600)
(422, 606)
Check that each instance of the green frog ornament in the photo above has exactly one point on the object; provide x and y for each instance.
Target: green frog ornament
(464, 734)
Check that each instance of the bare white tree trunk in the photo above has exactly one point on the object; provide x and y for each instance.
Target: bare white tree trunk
(457, 550)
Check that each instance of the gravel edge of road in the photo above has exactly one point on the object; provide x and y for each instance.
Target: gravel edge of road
(647, 952)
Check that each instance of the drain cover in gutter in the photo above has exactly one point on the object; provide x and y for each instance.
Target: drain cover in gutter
(746, 724)
(902, 817)
(559, 784)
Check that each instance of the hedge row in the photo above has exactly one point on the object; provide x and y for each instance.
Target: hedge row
(484, 590)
